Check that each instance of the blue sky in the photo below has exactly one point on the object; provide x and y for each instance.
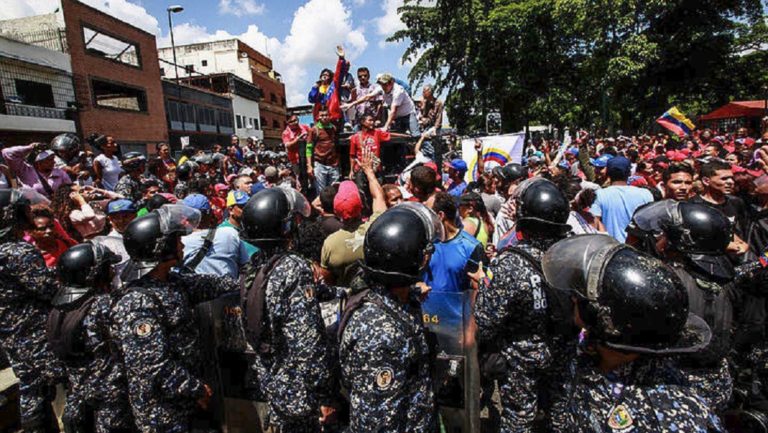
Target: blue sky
(300, 35)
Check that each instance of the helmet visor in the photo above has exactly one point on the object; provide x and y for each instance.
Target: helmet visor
(29, 194)
(652, 217)
(298, 202)
(695, 336)
(576, 263)
(430, 219)
(178, 218)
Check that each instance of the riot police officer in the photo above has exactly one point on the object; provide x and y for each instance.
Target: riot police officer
(293, 361)
(524, 327)
(693, 238)
(78, 333)
(153, 323)
(508, 178)
(26, 289)
(383, 346)
(69, 156)
(184, 174)
(635, 311)
(129, 185)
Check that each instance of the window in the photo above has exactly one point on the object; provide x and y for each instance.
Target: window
(162, 72)
(114, 95)
(34, 93)
(273, 98)
(255, 124)
(189, 69)
(225, 119)
(205, 62)
(239, 121)
(276, 124)
(100, 44)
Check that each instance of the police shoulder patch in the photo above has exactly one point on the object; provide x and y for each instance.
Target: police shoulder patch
(384, 378)
(143, 329)
(620, 418)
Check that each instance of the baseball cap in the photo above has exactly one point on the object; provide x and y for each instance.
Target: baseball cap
(384, 78)
(42, 156)
(601, 161)
(458, 165)
(120, 205)
(347, 204)
(197, 201)
(237, 198)
(619, 166)
(220, 187)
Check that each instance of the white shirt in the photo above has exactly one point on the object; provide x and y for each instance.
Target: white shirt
(399, 97)
(110, 171)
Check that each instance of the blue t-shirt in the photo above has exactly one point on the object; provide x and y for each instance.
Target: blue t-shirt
(457, 189)
(225, 257)
(447, 275)
(615, 206)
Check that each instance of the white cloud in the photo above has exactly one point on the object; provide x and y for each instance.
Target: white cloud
(390, 22)
(241, 7)
(129, 12)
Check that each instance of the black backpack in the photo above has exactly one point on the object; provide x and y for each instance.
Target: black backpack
(65, 330)
(253, 300)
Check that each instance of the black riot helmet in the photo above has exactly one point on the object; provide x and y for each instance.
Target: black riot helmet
(152, 238)
(185, 171)
(65, 142)
(507, 174)
(268, 216)
(80, 269)
(627, 299)
(542, 209)
(133, 161)
(398, 244)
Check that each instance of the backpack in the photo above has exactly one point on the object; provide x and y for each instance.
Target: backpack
(253, 300)
(65, 330)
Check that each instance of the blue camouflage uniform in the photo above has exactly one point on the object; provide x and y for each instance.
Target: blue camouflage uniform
(26, 288)
(385, 363)
(514, 318)
(157, 335)
(294, 365)
(645, 396)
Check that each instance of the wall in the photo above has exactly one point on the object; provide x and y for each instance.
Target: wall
(133, 128)
(250, 109)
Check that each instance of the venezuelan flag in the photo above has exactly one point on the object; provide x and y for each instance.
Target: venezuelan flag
(676, 122)
(490, 154)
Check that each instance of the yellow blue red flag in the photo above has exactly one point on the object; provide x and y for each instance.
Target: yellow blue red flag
(676, 122)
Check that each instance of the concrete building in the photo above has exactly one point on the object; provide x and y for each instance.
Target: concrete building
(234, 57)
(245, 101)
(37, 95)
(199, 117)
(114, 69)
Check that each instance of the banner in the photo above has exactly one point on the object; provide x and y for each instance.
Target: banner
(497, 150)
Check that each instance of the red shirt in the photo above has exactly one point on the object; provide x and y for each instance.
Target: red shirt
(367, 140)
(290, 135)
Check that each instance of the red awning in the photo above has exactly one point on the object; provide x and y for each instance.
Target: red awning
(737, 109)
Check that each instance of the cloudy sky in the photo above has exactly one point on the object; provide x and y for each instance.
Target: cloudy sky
(299, 35)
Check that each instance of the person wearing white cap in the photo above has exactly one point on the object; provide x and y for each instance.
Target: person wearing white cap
(402, 110)
(41, 174)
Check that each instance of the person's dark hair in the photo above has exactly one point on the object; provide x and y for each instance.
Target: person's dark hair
(310, 238)
(610, 150)
(328, 71)
(153, 166)
(189, 151)
(445, 203)
(632, 155)
(147, 184)
(363, 69)
(423, 179)
(63, 206)
(569, 185)
(326, 198)
(42, 212)
(156, 201)
(709, 169)
(200, 185)
(676, 168)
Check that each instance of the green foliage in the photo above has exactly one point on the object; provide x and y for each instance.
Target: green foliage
(619, 63)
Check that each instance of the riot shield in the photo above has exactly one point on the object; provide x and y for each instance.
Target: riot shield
(450, 320)
(226, 360)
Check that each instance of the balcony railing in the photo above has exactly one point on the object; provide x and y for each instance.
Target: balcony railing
(53, 39)
(13, 109)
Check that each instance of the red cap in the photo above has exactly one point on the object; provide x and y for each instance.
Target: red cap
(431, 165)
(347, 204)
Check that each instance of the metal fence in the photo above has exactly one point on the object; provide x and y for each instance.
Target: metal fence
(52, 39)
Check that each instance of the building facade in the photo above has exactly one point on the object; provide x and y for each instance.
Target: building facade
(37, 95)
(234, 57)
(197, 117)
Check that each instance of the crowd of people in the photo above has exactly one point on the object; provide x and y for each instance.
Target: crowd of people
(616, 283)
